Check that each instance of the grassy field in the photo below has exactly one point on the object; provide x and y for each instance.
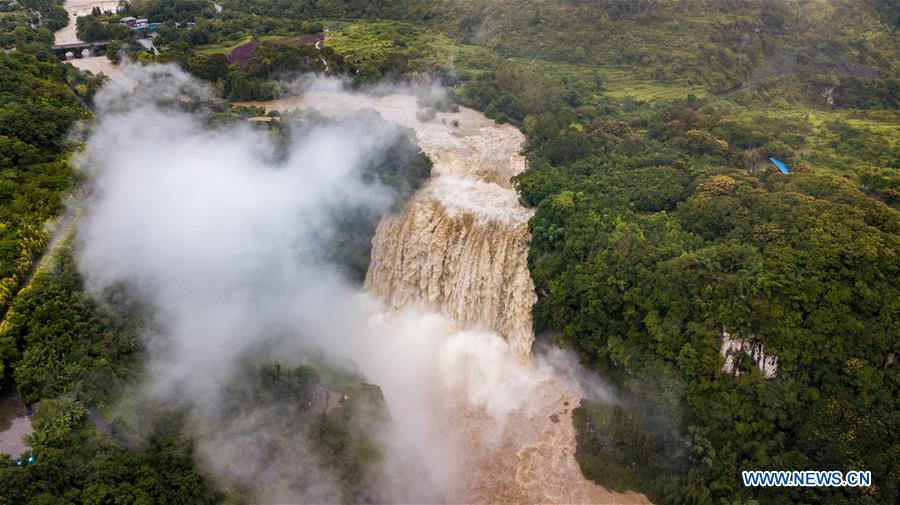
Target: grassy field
(838, 142)
(885, 123)
(619, 83)
(227, 47)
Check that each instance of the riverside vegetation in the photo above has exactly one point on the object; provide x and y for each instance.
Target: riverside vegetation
(659, 223)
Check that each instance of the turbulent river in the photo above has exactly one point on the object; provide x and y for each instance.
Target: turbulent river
(459, 249)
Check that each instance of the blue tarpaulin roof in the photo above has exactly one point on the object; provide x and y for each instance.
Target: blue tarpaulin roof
(781, 166)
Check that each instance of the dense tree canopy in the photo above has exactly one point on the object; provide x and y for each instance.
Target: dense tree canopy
(648, 246)
(39, 102)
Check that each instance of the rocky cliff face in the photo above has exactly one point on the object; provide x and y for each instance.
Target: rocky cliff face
(460, 245)
(457, 260)
(736, 349)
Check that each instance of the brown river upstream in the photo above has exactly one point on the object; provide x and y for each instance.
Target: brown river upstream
(66, 35)
(458, 249)
(75, 8)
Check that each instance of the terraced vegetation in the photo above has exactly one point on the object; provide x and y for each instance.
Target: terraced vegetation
(399, 48)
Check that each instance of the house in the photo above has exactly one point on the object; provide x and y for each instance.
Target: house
(139, 25)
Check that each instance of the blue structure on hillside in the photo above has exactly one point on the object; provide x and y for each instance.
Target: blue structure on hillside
(780, 165)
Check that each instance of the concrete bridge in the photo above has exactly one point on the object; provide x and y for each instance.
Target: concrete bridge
(78, 49)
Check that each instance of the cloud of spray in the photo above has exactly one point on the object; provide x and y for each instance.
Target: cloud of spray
(223, 239)
(221, 236)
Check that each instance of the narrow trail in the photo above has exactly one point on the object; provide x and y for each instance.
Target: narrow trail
(61, 226)
(322, 58)
(754, 83)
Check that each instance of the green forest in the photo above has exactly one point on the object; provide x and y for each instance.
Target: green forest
(660, 226)
(41, 100)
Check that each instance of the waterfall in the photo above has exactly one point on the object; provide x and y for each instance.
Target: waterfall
(322, 58)
(460, 245)
(459, 248)
(467, 266)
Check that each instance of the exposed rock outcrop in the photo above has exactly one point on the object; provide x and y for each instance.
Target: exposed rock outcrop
(736, 349)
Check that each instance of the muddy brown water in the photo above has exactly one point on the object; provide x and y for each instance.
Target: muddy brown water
(67, 35)
(14, 422)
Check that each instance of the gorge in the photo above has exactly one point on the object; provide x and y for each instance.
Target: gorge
(459, 248)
